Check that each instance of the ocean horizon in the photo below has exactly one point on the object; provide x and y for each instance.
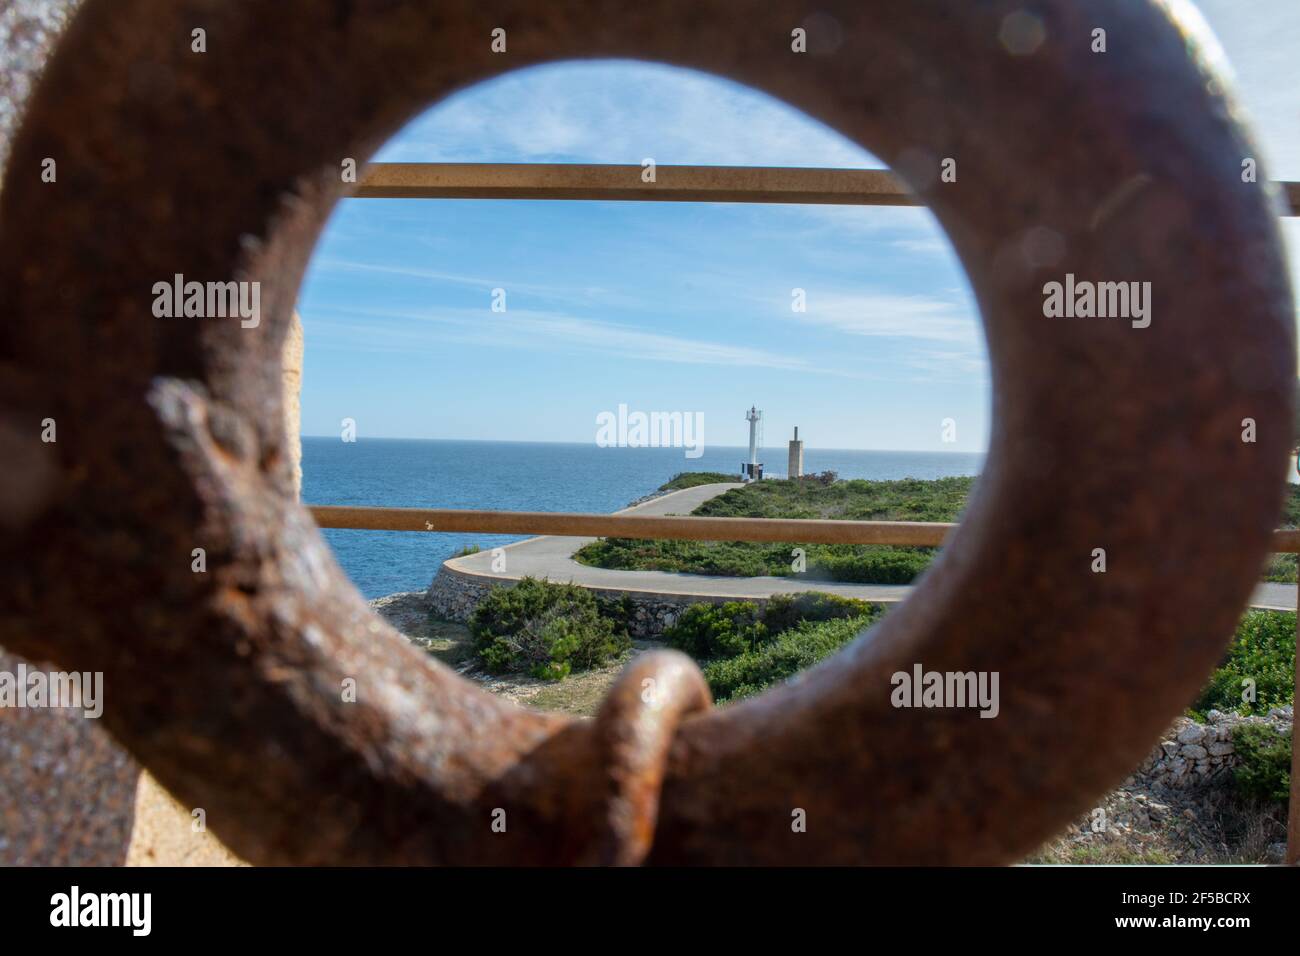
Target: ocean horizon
(530, 476)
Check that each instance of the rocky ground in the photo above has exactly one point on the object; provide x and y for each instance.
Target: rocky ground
(1151, 824)
(1180, 806)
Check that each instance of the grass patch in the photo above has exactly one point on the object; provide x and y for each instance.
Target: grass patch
(690, 479)
(446, 641)
(1116, 854)
(910, 499)
(816, 497)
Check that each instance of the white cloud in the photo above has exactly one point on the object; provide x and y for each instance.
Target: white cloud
(551, 331)
(891, 315)
(620, 112)
(585, 293)
(925, 246)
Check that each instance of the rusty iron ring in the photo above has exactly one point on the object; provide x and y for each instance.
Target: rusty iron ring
(1120, 167)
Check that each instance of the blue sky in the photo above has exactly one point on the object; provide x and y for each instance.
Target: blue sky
(672, 306)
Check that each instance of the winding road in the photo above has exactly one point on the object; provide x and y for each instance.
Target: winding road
(551, 557)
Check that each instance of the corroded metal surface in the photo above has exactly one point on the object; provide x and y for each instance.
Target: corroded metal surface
(226, 684)
(67, 790)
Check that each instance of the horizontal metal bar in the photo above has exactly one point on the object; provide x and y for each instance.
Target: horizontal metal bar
(667, 527)
(1286, 541)
(748, 184)
(662, 527)
(744, 184)
(799, 531)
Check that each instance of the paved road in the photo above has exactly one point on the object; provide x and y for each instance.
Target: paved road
(1277, 597)
(552, 557)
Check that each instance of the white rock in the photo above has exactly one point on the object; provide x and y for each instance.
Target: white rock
(1191, 734)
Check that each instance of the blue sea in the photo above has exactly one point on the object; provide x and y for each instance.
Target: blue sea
(526, 476)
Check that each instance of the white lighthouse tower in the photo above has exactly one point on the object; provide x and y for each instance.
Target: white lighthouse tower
(752, 470)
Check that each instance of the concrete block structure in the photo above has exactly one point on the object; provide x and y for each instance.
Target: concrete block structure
(796, 456)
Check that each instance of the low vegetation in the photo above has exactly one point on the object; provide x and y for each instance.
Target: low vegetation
(545, 630)
(780, 658)
(1264, 773)
(1258, 669)
(744, 649)
(819, 496)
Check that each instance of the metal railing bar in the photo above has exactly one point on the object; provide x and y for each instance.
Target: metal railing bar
(741, 184)
(669, 527)
(664, 527)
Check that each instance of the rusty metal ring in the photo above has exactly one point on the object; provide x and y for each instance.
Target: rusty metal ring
(1115, 167)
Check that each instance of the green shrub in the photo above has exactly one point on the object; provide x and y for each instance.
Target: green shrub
(543, 629)
(1291, 505)
(1265, 769)
(867, 564)
(1263, 649)
(780, 658)
(619, 611)
(707, 631)
(826, 478)
(785, 611)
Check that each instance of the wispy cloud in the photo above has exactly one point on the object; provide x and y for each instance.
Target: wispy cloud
(889, 315)
(925, 246)
(620, 112)
(552, 331)
(937, 338)
(585, 293)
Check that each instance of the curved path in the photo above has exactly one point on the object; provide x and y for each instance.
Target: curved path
(551, 557)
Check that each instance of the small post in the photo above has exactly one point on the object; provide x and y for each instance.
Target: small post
(796, 456)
